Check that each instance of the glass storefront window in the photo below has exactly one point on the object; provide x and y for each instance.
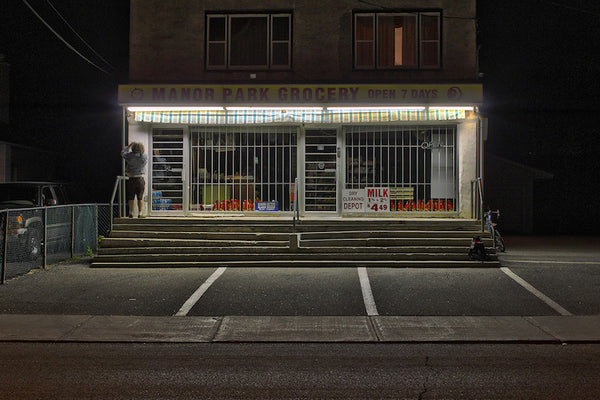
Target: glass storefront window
(417, 163)
(242, 168)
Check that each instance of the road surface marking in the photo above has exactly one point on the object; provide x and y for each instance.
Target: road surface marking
(365, 286)
(535, 292)
(187, 306)
(553, 262)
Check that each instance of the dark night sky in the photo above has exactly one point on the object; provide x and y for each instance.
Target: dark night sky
(540, 61)
(59, 101)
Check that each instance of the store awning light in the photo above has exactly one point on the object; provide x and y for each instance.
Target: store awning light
(452, 108)
(369, 109)
(261, 109)
(291, 114)
(168, 109)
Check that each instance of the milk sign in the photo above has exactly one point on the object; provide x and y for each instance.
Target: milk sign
(378, 199)
(353, 200)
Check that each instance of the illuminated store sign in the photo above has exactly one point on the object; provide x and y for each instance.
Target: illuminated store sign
(300, 94)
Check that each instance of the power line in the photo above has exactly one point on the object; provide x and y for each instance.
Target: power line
(79, 36)
(64, 41)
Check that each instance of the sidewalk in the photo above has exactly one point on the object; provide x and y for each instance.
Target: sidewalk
(551, 250)
(86, 328)
(351, 329)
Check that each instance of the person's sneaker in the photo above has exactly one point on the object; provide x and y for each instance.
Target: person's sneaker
(130, 216)
(140, 216)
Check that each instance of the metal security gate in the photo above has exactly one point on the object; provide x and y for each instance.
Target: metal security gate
(242, 168)
(167, 170)
(417, 164)
(320, 165)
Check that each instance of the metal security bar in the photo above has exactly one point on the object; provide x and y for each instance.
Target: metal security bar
(167, 169)
(417, 163)
(320, 192)
(242, 168)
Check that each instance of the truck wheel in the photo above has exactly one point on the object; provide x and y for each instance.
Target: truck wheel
(34, 243)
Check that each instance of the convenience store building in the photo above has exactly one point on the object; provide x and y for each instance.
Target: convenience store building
(352, 150)
(358, 109)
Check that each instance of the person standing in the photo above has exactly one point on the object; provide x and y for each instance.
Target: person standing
(135, 166)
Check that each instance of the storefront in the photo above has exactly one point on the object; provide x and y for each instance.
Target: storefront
(344, 150)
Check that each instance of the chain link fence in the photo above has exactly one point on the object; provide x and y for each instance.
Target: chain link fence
(32, 238)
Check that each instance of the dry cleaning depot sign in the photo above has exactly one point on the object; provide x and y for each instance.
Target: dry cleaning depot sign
(373, 199)
(252, 95)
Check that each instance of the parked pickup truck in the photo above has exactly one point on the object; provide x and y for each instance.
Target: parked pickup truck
(25, 226)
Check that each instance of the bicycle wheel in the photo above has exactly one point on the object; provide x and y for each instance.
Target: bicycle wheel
(499, 242)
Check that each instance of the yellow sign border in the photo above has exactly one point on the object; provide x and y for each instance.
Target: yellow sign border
(300, 95)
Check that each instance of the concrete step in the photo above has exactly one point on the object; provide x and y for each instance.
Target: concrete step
(303, 264)
(320, 242)
(254, 257)
(282, 249)
(303, 236)
(285, 225)
(149, 242)
(323, 243)
(319, 230)
(237, 236)
(390, 242)
(162, 227)
(392, 234)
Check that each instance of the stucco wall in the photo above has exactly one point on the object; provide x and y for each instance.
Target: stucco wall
(467, 165)
(167, 41)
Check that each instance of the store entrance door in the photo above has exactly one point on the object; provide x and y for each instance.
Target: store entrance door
(321, 170)
(167, 170)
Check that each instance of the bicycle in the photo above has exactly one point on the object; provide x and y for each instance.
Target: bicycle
(491, 218)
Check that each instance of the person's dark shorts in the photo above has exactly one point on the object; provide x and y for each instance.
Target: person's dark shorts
(135, 187)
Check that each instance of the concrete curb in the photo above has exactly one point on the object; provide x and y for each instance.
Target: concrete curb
(301, 329)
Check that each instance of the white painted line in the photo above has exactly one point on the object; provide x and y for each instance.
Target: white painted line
(551, 262)
(187, 306)
(365, 286)
(535, 292)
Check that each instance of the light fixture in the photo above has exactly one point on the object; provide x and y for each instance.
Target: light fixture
(179, 108)
(452, 108)
(377, 108)
(236, 108)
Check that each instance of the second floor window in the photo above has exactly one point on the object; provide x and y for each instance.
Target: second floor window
(248, 41)
(397, 40)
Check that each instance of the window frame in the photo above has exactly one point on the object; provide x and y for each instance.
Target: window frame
(273, 41)
(373, 41)
(270, 42)
(419, 41)
(438, 40)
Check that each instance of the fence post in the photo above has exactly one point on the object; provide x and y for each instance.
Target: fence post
(95, 247)
(4, 255)
(45, 214)
(72, 231)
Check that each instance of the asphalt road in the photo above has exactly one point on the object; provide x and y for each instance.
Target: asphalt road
(532, 283)
(541, 276)
(288, 371)
(78, 289)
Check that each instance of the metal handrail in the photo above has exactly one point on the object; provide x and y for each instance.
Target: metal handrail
(295, 210)
(120, 178)
(478, 183)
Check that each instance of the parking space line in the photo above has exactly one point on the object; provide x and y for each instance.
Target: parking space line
(552, 262)
(557, 307)
(365, 287)
(187, 306)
